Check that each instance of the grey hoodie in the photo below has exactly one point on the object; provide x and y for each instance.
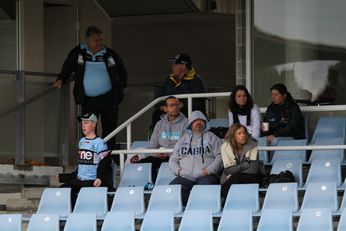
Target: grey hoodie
(193, 152)
(166, 133)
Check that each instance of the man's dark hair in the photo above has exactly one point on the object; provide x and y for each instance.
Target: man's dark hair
(170, 97)
(92, 30)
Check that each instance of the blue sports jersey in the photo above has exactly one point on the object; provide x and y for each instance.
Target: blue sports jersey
(91, 152)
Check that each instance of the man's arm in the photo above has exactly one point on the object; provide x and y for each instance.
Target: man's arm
(68, 67)
(174, 159)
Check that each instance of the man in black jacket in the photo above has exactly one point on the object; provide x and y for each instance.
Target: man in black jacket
(100, 78)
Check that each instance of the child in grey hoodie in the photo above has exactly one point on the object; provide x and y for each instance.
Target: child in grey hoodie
(196, 156)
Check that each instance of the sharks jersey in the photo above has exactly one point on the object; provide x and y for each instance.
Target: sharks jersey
(91, 152)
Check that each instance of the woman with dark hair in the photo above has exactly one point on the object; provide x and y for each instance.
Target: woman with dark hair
(284, 116)
(240, 159)
(243, 110)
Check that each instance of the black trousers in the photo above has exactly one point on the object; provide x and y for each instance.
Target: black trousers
(239, 178)
(186, 185)
(75, 186)
(155, 165)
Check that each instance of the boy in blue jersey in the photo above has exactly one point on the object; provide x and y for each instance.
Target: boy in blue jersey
(94, 162)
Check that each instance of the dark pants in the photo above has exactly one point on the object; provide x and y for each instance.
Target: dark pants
(186, 185)
(75, 186)
(103, 106)
(239, 178)
(155, 165)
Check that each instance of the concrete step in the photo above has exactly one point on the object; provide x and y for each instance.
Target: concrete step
(22, 205)
(32, 193)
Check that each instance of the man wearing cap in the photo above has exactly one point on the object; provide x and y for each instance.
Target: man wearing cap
(196, 156)
(100, 78)
(94, 162)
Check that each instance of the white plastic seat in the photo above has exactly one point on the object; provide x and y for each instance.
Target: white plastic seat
(324, 171)
(236, 219)
(158, 221)
(11, 222)
(315, 220)
(197, 220)
(136, 175)
(295, 166)
(165, 175)
(166, 198)
(120, 220)
(129, 199)
(44, 222)
(290, 155)
(275, 220)
(205, 197)
(328, 154)
(55, 201)
(243, 196)
(81, 222)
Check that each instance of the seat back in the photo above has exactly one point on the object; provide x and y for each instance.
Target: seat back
(136, 175)
(92, 200)
(324, 171)
(50, 222)
(275, 219)
(119, 220)
(236, 219)
(197, 220)
(55, 201)
(138, 145)
(152, 223)
(295, 166)
(342, 221)
(205, 197)
(321, 195)
(129, 199)
(243, 196)
(328, 154)
(329, 127)
(263, 155)
(11, 222)
(281, 196)
(165, 175)
(81, 222)
(290, 155)
(166, 198)
(315, 219)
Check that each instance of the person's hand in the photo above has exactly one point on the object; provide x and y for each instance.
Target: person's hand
(97, 182)
(57, 84)
(205, 172)
(228, 176)
(270, 138)
(134, 159)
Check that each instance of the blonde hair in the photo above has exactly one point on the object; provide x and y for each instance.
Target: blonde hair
(230, 135)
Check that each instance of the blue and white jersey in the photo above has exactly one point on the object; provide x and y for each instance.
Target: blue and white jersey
(91, 152)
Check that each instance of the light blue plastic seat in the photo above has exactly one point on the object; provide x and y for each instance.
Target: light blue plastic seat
(263, 155)
(81, 222)
(214, 123)
(56, 201)
(166, 198)
(92, 200)
(324, 171)
(315, 220)
(342, 221)
(236, 219)
(243, 196)
(165, 175)
(295, 166)
(275, 220)
(120, 220)
(330, 128)
(158, 221)
(129, 199)
(281, 196)
(321, 195)
(328, 154)
(290, 155)
(11, 222)
(136, 175)
(44, 222)
(205, 197)
(197, 220)
(343, 203)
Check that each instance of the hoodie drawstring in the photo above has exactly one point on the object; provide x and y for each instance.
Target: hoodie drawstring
(201, 146)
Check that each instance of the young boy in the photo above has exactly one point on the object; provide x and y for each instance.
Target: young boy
(94, 162)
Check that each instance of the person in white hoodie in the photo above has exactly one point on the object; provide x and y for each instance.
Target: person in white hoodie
(196, 156)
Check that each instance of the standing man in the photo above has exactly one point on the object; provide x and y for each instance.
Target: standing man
(100, 78)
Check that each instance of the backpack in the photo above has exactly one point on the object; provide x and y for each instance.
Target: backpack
(281, 177)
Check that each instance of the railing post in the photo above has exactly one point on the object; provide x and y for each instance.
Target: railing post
(20, 118)
(128, 146)
(63, 124)
(189, 105)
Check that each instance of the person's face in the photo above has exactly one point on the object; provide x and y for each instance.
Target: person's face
(240, 136)
(198, 125)
(88, 127)
(240, 98)
(277, 98)
(172, 107)
(95, 42)
(179, 70)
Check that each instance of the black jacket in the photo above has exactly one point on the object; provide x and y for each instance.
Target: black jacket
(75, 63)
(286, 120)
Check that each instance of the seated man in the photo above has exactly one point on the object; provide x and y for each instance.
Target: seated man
(166, 134)
(196, 157)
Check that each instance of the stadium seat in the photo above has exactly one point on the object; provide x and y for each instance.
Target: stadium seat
(55, 201)
(136, 175)
(243, 196)
(236, 219)
(315, 220)
(328, 154)
(165, 175)
(330, 128)
(214, 123)
(281, 196)
(263, 155)
(321, 195)
(11, 222)
(324, 171)
(290, 155)
(130, 199)
(295, 166)
(166, 198)
(92, 200)
(205, 197)
(120, 220)
(158, 221)
(81, 222)
(44, 222)
(138, 145)
(197, 220)
(342, 221)
(343, 203)
(275, 220)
